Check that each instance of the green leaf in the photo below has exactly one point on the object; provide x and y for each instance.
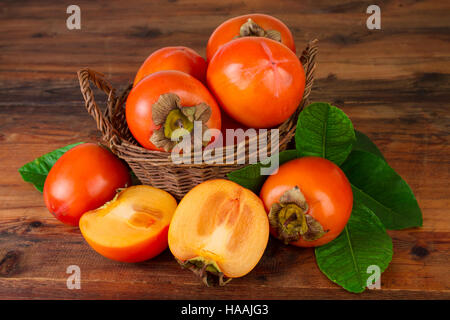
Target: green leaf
(382, 190)
(250, 176)
(37, 170)
(363, 243)
(324, 131)
(364, 143)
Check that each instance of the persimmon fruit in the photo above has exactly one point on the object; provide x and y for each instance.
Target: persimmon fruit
(83, 179)
(175, 100)
(257, 81)
(219, 230)
(255, 24)
(173, 58)
(309, 201)
(133, 226)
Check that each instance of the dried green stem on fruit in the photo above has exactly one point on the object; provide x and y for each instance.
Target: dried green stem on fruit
(290, 219)
(207, 270)
(175, 120)
(252, 29)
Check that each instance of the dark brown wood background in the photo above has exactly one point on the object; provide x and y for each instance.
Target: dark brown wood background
(394, 83)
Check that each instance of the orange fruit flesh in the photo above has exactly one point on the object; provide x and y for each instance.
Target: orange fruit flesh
(223, 223)
(127, 227)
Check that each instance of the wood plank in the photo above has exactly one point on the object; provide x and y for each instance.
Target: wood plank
(393, 83)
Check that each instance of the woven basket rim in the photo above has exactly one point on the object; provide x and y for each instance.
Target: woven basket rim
(126, 147)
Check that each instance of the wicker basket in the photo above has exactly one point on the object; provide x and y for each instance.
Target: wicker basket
(156, 168)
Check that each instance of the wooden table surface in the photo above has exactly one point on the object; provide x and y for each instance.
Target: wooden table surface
(394, 83)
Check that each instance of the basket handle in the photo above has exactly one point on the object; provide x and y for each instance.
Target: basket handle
(308, 59)
(103, 123)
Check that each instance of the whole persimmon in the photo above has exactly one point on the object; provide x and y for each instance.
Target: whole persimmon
(257, 81)
(165, 104)
(256, 24)
(309, 201)
(173, 58)
(133, 226)
(219, 230)
(83, 179)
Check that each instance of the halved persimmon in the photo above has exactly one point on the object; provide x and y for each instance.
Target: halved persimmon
(219, 230)
(133, 226)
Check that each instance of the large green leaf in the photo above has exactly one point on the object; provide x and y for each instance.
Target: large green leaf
(324, 131)
(363, 243)
(382, 190)
(37, 170)
(250, 176)
(364, 143)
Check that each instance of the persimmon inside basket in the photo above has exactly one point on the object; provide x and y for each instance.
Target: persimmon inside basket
(156, 168)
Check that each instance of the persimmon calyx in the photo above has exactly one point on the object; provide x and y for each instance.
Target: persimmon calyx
(207, 270)
(290, 219)
(175, 120)
(252, 29)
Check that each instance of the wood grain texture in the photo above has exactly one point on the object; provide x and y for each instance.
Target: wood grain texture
(394, 83)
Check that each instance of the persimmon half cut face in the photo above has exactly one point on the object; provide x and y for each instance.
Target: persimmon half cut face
(133, 226)
(219, 229)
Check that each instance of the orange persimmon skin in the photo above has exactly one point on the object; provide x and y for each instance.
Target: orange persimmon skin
(325, 187)
(257, 81)
(173, 58)
(229, 29)
(109, 232)
(83, 179)
(143, 251)
(146, 93)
